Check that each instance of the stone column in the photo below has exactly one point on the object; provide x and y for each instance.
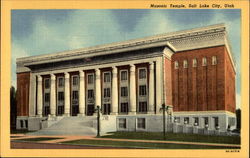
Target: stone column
(82, 94)
(97, 88)
(151, 88)
(159, 85)
(132, 90)
(39, 97)
(32, 95)
(53, 95)
(67, 95)
(114, 108)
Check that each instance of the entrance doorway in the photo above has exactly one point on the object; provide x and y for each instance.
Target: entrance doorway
(90, 109)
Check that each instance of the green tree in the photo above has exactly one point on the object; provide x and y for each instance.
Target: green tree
(13, 107)
(238, 117)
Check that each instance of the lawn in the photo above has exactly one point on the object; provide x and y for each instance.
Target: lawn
(37, 139)
(175, 137)
(143, 145)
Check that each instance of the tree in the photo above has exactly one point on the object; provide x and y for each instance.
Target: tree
(13, 110)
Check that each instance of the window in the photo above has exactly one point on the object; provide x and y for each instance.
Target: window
(142, 106)
(90, 79)
(90, 93)
(60, 82)
(141, 123)
(142, 73)
(75, 80)
(122, 123)
(107, 77)
(106, 109)
(177, 120)
(75, 95)
(47, 97)
(214, 60)
(26, 123)
(47, 83)
(124, 75)
(124, 107)
(106, 92)
(216, 122)
(60, 96)
(176, 65)
(142, 90)
(196, 121)
(21, 123)
(206, 122)
(186, 120)
(185, 64)
(124, 91)
(204, 61)
(194, 62)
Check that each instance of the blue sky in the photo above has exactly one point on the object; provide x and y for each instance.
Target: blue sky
(36, 32)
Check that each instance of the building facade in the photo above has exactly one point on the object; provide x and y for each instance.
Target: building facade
(191, 71)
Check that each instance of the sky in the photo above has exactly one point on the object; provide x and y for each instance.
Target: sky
(36, 32)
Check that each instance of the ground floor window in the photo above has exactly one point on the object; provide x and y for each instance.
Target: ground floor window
(60, 110)
(46, 110)
(177, 119)
(216, 123)
(141, 123)
(21, 123)
(206, 122)
(106, 109)
(124, 107)
(142, 106)
(186, 120)
(196, 121)
(122, 123)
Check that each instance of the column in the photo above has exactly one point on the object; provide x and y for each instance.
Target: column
(39, 97)
(132, 90)
(67, 95)
(159, 85)
(82, 94)
(97, 88)
(53, 95)
(32, 95)
(151, 88)
(114, 108)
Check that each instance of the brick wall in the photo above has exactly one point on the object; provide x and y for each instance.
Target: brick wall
(23, 84)
(203, 88)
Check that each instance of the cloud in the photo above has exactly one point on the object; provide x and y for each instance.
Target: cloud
(16, 52)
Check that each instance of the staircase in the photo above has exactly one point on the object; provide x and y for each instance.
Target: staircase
(78, 125)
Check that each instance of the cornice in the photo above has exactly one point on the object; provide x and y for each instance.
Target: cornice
(176, 41)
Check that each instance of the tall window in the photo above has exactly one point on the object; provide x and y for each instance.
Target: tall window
(142, 106)
(214, 60)
(124, 91)
(141, 123)
(75, 80)
(124, 75)
(107, 77)
(60, 82)
(142, 73)
(60, 96)
(90, 79)
(186, 120)
(196, 121)
(194, 62)
(75, 95)
(204, 61)
(176, 65)
(47, 83)
(106, 92)
(142, 90)
(185, 64)
(124, 107)
(90, 93)
(47, 97)
(122, 123)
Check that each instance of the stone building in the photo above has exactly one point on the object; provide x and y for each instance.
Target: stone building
(191, 71)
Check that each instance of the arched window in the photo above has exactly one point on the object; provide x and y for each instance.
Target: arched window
(185, 64)
(204, 61)
(214, 60)
(176, 65)
(194, 62)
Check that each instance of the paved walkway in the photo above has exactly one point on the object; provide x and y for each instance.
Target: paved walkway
(70, 138)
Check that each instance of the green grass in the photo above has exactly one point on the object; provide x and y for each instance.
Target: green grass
(175, 137)
(125, 144)
(18, 131)
(37, 139)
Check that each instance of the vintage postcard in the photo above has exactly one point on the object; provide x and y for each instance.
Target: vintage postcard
(125, 78)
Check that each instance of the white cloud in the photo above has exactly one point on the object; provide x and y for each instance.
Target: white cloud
(16, 52)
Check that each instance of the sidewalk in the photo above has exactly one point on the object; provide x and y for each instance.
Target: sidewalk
(70, 138)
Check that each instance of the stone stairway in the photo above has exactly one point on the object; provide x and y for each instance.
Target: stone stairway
(78, 125)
